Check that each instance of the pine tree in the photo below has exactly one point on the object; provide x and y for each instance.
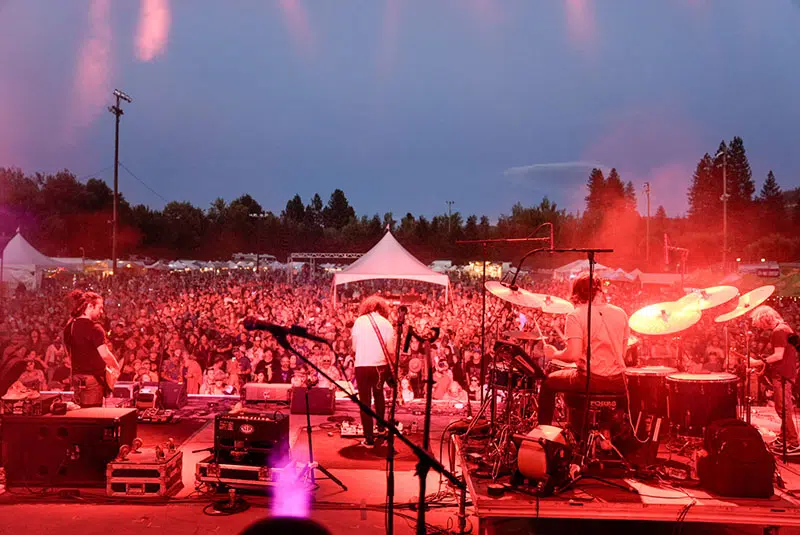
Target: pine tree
(614, 191)
(771, 206)
(595, 200)
(740, 178)
(704, 192)
(630, 196)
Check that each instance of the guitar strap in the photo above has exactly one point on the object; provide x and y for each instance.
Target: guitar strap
(383, 344)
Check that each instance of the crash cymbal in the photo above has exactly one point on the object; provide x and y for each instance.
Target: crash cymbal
(709, 297)
(747, 303)
(555, 305)
(663, 318)
(523, 335)
(515, 295)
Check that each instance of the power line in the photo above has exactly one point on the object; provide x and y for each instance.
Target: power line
(95, 174)
(143, 183)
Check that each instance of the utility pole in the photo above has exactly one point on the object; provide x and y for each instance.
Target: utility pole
(724, 198)
(449, 215)
(117, 111)
(647, 228)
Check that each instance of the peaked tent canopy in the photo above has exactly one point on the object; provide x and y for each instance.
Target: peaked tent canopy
(388, 260)
(22, 263)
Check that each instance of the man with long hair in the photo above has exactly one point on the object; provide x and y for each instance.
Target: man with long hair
(782, 370)
(86, 344)
(609, 335)
(373, 335)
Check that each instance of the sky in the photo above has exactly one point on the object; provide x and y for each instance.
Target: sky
(402, 104)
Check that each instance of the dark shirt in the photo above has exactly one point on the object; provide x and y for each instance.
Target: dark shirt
(787, 366)
(82, 338)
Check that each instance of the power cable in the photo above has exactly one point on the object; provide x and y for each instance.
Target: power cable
(143, 183)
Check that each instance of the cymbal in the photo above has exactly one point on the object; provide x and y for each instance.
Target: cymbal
(555, 305)
(517, 296)
(632, 341)
(708, 297)
(523, 335)
(663, 318)
(747, 303)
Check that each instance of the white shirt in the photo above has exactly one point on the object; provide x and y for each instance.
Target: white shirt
(367, 348)
(609, 337)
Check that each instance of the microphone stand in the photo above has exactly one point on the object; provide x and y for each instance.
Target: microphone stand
(401, 318)
(422, 466)
(426, 460)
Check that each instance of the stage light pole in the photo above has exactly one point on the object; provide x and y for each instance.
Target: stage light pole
(117, 111)
(724, 198)
(449, 215)
(260, 216)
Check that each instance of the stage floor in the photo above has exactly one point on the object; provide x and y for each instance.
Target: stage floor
(361, 507)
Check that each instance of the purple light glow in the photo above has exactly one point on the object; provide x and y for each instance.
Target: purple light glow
(291, 497)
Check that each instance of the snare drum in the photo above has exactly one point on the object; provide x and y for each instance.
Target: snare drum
(555, 365)
(697, 400)
(647, 390)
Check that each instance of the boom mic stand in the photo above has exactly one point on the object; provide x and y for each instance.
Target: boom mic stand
(426, 460)
(401, 318)
(484, 244)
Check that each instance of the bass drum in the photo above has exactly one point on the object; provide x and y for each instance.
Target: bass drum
(543, 456)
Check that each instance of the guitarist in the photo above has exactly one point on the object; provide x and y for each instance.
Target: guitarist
(782, 370)
(373, 335)
(94, 367)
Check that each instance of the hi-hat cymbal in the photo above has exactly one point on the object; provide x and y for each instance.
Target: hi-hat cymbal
(747, 303)
(555, 305)
(708, 297)
(515, 295)
(663, 318)
(523, 335)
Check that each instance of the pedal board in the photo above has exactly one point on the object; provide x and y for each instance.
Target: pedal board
(348, 430)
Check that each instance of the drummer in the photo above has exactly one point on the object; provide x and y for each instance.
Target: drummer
(610, 333)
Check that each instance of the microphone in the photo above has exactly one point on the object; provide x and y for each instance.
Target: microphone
(279, 331)
(401, 314)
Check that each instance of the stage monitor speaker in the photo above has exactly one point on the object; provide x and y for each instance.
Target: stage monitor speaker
(174, 395)
(70, 450)
(320, 401)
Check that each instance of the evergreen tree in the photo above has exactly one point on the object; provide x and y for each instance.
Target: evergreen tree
(704, 192)
(595, 200)
(294, 211)
(771, 206)
(630, 196)
(614, 191)
(313, 215)
(338, 212)
(740, 178)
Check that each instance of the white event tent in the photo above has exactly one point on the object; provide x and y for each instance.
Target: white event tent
(389, 260)
(22, 263)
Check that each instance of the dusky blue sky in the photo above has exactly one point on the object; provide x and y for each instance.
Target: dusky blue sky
(402, 104)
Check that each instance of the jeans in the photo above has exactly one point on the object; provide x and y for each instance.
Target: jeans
(572, 380)
(782, 395)
(87, 391)
(370, 381)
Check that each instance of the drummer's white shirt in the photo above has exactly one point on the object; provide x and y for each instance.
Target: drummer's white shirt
(609, 336)
(367, 348)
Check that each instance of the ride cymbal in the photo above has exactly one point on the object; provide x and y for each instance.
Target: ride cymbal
(513, 294)
(555, 305)
(709, 297)
(663, 318)
(747, 303)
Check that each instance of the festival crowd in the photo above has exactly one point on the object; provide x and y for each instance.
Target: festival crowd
(186, 328)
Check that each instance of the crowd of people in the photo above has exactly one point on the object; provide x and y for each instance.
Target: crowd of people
(187, 328)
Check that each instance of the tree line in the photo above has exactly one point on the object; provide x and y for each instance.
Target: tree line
(63, 216)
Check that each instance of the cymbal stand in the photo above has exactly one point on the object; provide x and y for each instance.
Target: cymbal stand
(484, 245)
(746, 401)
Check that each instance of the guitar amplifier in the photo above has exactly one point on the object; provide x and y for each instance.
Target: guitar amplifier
(252, 438)
(29, 407)
(320, 401)
(174, 395)
(70, 450)
(125, 390)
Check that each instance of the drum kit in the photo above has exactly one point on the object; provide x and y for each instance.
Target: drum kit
(659, 398)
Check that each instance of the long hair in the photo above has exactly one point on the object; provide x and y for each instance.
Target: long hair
(374, 303)
(78, 300)
(765, 317)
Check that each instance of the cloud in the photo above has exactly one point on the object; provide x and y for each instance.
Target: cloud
(553, 167)
(153, 31)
